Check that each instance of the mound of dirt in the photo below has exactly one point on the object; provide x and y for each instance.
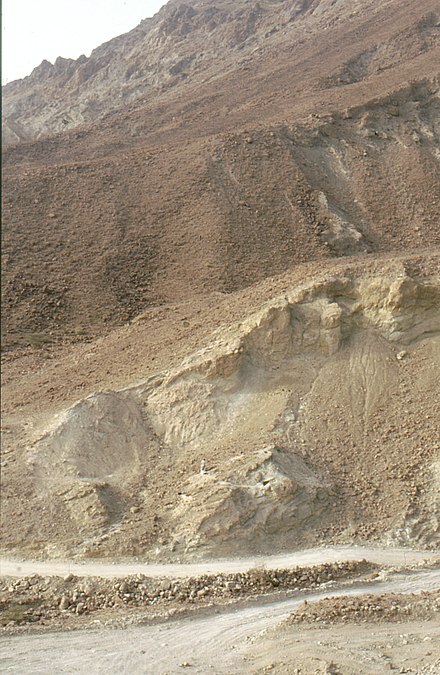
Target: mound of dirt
(55, 601)
(370, 608)
(271, 495)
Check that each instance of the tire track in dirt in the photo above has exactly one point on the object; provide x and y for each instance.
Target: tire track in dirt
(209, 644)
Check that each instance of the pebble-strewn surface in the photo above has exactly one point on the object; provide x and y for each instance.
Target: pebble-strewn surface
(365, 608)
(45, 600)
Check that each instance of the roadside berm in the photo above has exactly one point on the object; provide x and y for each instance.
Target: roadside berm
(58, 602)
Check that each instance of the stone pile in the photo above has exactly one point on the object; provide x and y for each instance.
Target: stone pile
(392, 607)
(45, 598)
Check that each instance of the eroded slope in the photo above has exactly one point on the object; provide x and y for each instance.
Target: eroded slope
(89, 245)
(192, 43)
(314, 417)
(315, 134)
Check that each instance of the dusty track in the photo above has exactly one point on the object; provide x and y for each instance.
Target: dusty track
(315, 556)
(214, 644)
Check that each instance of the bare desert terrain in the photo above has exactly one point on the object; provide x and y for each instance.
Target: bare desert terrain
(221, 339)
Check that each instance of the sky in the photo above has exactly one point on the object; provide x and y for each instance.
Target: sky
(33, 30)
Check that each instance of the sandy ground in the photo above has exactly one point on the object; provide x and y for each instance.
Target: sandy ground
(348, 650)
(221, 643)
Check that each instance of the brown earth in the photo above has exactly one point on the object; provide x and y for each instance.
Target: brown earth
(370, 608)
(221, 296)
(316, 141)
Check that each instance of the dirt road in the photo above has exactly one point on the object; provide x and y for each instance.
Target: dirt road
(213, 644)
(309, 557)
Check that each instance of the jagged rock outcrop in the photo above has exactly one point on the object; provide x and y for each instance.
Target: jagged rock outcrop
(184, 41)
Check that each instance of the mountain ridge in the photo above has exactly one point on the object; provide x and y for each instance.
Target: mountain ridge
(179, 44)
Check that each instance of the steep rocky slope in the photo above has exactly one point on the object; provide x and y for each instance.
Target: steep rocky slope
(315, 416)
(194, 42)
(277, 158)
(220, 284)
(88, 245)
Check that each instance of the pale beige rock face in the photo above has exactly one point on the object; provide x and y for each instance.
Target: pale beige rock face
(315, 368)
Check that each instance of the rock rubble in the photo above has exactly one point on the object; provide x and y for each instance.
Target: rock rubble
(39, 599)
(370, 608)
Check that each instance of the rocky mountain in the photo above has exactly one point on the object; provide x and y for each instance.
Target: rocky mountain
(198, 42)
(180, 42)
(220, 283)
(280, 148)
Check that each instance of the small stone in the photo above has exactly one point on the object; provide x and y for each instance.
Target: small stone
(65, 603)
(69, 577)
(401, 355)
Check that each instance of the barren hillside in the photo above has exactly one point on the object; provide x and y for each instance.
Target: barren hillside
(316, 136)
(313, 416)
(220, 287)
(198, 43)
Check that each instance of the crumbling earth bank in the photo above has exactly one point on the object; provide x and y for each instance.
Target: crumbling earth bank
(370, 608)
(280, 432)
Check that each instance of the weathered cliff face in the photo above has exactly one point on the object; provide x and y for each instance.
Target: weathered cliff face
(181, 41)
(313, 417)
(189, 370)
(188, 42)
